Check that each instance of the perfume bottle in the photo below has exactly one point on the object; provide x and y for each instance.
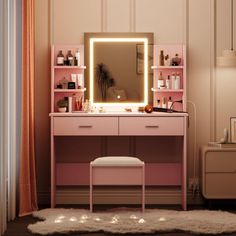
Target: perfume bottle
(176, 60)
(160, 81)
(70, 58)
(161, 58)
(60, 58)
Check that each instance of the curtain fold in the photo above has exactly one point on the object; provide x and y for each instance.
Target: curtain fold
(27, 175)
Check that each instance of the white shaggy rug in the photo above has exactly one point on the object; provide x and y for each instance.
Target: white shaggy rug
(133, 221)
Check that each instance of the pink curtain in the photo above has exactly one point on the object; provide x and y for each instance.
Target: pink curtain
(27, 175)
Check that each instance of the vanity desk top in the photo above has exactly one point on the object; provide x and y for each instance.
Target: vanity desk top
(121, 113)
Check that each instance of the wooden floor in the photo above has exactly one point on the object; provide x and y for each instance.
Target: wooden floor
(18, 227)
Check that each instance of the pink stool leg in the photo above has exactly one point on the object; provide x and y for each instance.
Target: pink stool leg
(143, 188)
(91, 190)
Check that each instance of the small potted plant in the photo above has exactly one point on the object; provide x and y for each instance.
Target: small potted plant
(62, 105)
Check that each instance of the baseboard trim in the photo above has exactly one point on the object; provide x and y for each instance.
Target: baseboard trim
(119, 196)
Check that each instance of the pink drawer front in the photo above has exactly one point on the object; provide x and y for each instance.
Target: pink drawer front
(85, 126)
(151, 126)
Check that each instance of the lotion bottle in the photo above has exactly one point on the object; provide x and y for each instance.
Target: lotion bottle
(69, 104)
(168, 82)
(172, 80)
(177, 81)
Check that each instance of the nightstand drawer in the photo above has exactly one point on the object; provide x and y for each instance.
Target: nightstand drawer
(85, 126)
(151, 126)
(220, 185)
(220, 161)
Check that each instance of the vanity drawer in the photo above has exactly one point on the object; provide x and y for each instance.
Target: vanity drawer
(151, 126)
(85, 126)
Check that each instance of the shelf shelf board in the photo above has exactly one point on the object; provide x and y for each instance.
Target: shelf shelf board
(167, 90)
(167, 67)
(70, 67)
(69, 90)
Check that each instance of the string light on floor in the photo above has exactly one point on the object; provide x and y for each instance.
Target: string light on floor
(133, 217)
(57, 221)
(84, 217)
(97, 219)
(141, 221)
(73, 219)
(115, 219)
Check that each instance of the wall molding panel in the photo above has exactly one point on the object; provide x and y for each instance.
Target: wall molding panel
(132, 17)
(103, 15)
(212, 70)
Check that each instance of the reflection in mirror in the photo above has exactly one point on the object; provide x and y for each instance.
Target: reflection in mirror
(118, 69)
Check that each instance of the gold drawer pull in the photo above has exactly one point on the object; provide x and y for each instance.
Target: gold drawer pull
(85, 126)
(152, 126)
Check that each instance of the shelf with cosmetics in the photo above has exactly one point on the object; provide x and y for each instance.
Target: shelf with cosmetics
(169, 77)
(67, 77)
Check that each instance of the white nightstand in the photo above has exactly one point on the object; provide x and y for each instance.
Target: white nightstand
(218, 172)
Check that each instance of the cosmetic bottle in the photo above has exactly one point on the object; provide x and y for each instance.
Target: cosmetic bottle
(163, 102)
(168, 82)
(69, 104)
(158, 103)
(160, 81)
(77, 58)
(77, 104)
(172, 80)
(169, 103)
(161, 58)
(167, 61)
(70, 58)
(60, 58)
(80, 81)
(177, 81)
(74, 79)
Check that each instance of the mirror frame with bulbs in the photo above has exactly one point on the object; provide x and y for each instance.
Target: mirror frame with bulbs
(90, 39)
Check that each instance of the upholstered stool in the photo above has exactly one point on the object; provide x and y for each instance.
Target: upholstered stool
(117, 170)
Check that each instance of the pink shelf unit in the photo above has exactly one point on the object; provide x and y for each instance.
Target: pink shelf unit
(60, 72)
(175, 94)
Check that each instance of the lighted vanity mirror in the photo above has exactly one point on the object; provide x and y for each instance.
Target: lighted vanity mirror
(118, 68)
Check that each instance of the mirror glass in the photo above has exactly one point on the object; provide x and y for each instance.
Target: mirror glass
(118, 67)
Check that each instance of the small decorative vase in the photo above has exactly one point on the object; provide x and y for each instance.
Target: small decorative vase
(176, 60)
(62, 109)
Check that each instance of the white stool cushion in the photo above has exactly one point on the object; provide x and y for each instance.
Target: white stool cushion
(117, 161)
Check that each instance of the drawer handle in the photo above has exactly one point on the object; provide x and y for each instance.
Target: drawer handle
(152, 126)
(85, 126)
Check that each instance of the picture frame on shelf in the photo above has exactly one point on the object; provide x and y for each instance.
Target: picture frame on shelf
(233, 129)
(140, 58)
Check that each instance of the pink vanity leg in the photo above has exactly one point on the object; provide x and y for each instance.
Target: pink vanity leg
(143, 188)
(52, 168)
(91, 190)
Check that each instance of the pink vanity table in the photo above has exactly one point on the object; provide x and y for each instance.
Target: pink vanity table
(120, 124)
